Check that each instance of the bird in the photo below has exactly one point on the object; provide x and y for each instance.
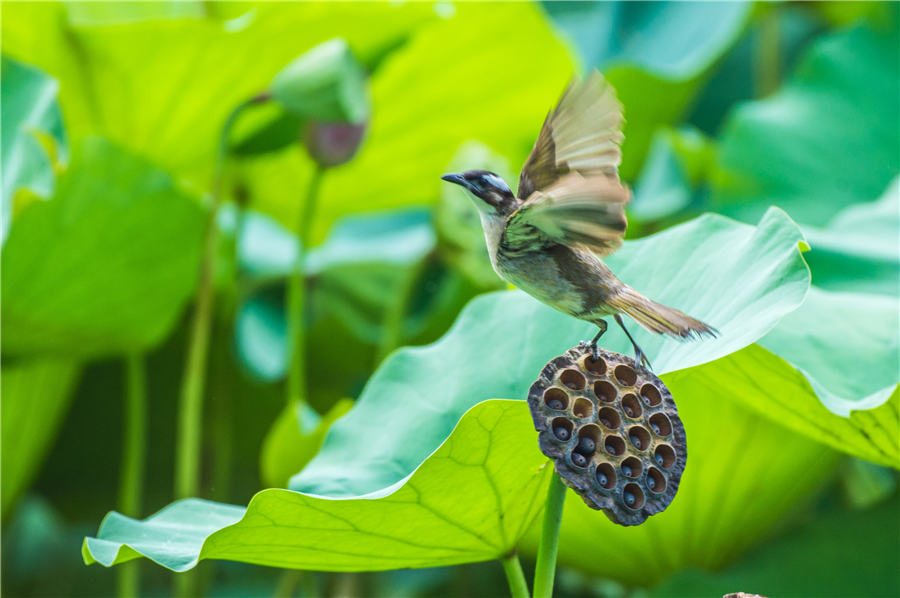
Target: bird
(569, 212)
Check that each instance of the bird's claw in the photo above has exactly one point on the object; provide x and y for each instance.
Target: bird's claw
(640, 358)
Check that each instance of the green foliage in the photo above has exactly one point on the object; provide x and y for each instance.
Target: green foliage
(295, 438)
(32, 134)
(470, 501)
(857, 250)
(105, 282)
(828, 138)
(187, 73)
(503, 339)
(730, 107)
(36, 394)
(820, 563)
(650, 52)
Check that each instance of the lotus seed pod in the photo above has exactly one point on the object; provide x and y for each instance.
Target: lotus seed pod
(612, 430)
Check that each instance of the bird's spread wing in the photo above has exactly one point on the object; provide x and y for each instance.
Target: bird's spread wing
(582, 134)
(575, 210)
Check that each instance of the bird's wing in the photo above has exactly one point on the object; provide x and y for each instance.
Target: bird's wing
(582, 134)
(575, 210)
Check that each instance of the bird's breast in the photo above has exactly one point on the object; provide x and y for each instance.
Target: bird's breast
(563, 278)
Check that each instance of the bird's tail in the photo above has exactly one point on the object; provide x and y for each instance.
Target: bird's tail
(659, 318)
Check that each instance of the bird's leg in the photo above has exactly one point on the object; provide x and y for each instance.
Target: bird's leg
(638, 354)
(601, 324)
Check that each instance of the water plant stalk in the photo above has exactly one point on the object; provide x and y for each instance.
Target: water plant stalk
(190, 407)
(190, 404)
(296, 382)
(395, 315)
(545, 569)
(518, 587)
(767, 61)
(134, 452)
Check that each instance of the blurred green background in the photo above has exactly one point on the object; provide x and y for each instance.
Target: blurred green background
(114, 160)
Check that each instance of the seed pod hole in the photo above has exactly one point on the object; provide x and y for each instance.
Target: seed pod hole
(625, 375)
(582, 408)
(594, 366)
(639, 437)
(632, 467)
(633, 496)
(631, 406)
(588, 439)
(606, 476)
(556, 399)
(562, 429)
(660, 425)
(579, 460)
(609, 417)
(614, 445)
(656, 481)
(572, 379)
(605, 391)
(664, 456)
(651, 395)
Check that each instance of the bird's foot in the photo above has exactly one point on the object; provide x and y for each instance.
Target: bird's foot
(640, 358)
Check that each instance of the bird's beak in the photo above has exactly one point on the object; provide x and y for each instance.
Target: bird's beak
(455, 178)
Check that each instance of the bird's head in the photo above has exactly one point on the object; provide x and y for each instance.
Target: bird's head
(492, 195)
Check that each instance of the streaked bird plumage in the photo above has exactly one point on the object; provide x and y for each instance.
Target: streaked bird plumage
(570, 211)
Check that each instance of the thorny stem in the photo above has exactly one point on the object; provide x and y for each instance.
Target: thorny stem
(545, 569)
(296, 383)
(518, 587)
(134, 450)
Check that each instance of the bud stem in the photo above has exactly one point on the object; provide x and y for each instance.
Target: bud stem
(518, 587)
(296, 382)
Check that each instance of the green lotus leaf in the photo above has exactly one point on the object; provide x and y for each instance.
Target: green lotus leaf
(84, 275)
(857, 250)
(36, 395)
(815, 553)
(649, 53)
(173, 60)
(739, 278)
(295, 437)
(425, 105)
(836, 383)
(829, 138)
(29, 116)
(469, 501)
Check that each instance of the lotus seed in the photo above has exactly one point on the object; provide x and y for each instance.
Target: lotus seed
(659, 458)
(635, 441)
(579, 459)
(611, 449)
(601, 477)
(630, 499)
(655, 428)
(605, 422)
(556, 404)
(587, 445)
(651, 483)
(626, 469)
(629, 411)
(561, 433)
